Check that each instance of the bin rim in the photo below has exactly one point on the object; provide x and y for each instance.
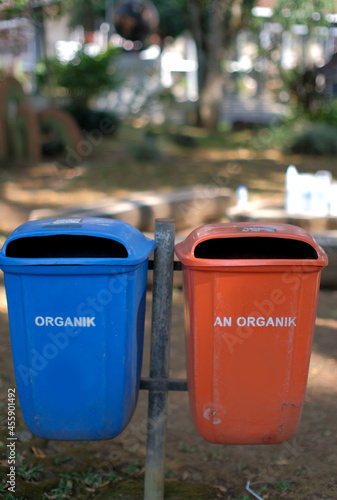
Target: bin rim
(137, 245)
(185, 249)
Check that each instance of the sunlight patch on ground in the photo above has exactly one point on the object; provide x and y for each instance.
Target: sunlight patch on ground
(3, 300)
(327, 323)
(227, 154)
(47, 197)
(244, 154)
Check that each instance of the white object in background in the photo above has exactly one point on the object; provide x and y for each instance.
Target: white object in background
(321, 183)
(292, 190)
(333, 199)
(309, 194)
(306, 184)
(241, 196)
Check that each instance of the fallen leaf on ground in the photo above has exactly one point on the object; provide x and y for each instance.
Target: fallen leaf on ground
(38, 452)
(221, 488)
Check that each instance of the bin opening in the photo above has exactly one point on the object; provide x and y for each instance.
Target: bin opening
(254, 248)
(65, 246)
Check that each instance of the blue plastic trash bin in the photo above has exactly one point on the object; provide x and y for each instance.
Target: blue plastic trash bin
(76, 290)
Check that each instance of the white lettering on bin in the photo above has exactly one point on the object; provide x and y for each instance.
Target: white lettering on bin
(252, 321)
(224, 322)
(60, 321)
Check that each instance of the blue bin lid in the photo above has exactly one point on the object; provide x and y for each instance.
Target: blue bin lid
(27, 243)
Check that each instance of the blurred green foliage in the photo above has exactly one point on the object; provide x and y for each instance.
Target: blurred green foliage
(316, 139)
(174, 17)
(85, 76)
(91, 119)
(325, 112)
(311, 14)
(81, 79)
(86, 12)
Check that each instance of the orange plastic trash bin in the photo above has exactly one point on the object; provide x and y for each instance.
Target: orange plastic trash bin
(251, 294)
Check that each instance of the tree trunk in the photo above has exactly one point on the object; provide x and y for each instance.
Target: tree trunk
(211, 95)
(207, 29)
(214, 23)
(198, 27)
(37, 16)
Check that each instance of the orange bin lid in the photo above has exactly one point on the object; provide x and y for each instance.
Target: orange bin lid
(253, 252)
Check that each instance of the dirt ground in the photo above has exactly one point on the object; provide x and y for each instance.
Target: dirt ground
(305, 468)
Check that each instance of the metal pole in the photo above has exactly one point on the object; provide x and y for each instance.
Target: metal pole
(159, 358)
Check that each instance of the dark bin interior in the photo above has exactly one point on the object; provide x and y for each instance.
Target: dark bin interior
(254, 248)
(65, 246)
